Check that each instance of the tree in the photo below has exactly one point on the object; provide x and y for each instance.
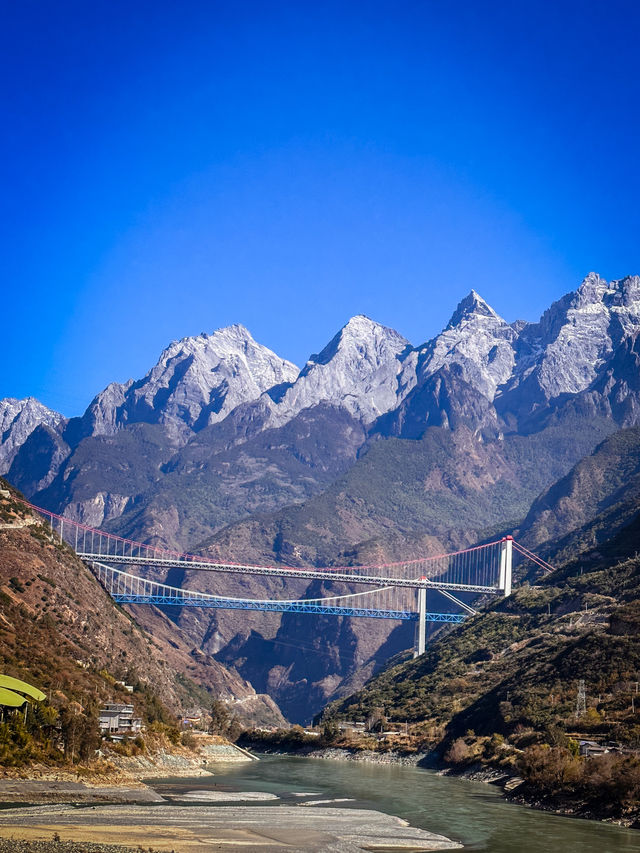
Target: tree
(458, 752)
(79, 732)
(224, 722)
(330, 732)
(220, 718)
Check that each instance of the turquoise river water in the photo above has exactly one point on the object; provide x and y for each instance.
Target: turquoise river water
(470, 812)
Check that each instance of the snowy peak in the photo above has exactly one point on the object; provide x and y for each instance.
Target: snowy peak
(224, 342)
(478, 341)
(576, 336)
(367, 369)
(472, 306)
(197, 381)
(363, 338)
(357, 370)
(592, 290)
(18, 419)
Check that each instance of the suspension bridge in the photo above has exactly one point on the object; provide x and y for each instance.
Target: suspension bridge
(395, 591)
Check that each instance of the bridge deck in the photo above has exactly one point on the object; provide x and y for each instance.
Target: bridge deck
(279, 571)
(284, 607)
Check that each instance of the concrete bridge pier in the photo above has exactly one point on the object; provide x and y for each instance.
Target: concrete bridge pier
(420, 645)
(506, 560)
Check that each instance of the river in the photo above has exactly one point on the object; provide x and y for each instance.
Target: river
(470, 812)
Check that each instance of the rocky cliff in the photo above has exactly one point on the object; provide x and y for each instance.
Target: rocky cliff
(374, 447)
(18, 419)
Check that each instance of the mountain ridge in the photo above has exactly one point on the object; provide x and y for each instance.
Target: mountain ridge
(374, 447)
(367, 368)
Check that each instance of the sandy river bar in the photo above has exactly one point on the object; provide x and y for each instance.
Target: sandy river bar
(258, 828)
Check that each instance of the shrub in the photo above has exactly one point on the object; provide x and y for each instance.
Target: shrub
(188, 739)
(458, 752)
(551, 769)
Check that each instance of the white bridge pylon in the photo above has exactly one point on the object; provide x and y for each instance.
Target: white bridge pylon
(399, 588)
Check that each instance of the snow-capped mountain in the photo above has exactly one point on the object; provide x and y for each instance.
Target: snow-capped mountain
(357, 370)
(480, 372)
(197, 381)
(575, 338)
(476, 339)
(481, 359)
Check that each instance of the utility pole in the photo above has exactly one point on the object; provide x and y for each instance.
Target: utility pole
(581, 701)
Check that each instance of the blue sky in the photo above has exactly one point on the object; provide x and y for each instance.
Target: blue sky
(170, 168)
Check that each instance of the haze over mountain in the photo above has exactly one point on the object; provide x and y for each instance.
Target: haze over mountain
(374, 448)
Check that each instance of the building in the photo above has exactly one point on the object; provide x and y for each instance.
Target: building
(194, 719)
(118, 719)
(590, 748)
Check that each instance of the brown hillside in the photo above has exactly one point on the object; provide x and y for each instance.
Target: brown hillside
(61, 631)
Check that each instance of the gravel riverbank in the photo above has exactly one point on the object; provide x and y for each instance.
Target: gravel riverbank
(261, 829)
(13, 845)
(115, 779)
(370, 756)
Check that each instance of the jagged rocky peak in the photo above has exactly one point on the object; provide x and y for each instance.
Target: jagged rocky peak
(623, 293)
(197, 381)
(472, 307)
(478, 341)
(103, 417)
(361, 339)
(592, 289)
(576, 336)
(18, 419)
(357, 370)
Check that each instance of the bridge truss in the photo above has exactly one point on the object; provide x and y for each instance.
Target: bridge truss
(396, 591)
(126, 588)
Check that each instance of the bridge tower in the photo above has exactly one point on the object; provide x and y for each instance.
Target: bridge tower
(506, 561)
(421, 628)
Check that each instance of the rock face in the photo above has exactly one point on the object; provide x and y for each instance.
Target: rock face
(18, 419)
(197, 381)
(478, 342)
(357, 370)
(574, 341)
(38, 459)
(225, 445)
(494, 376)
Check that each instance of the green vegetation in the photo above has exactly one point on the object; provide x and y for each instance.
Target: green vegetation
(224, 722)
(502, 687)
(295, 738)
(44, 734)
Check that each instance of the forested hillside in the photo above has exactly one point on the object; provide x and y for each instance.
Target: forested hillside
(505, 683)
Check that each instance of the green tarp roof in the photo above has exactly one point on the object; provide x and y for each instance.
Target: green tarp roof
(14, 684)
(10, 699)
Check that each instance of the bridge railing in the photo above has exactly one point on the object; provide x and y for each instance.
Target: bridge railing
(400, 588)
(485, 568)
(385, 603)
